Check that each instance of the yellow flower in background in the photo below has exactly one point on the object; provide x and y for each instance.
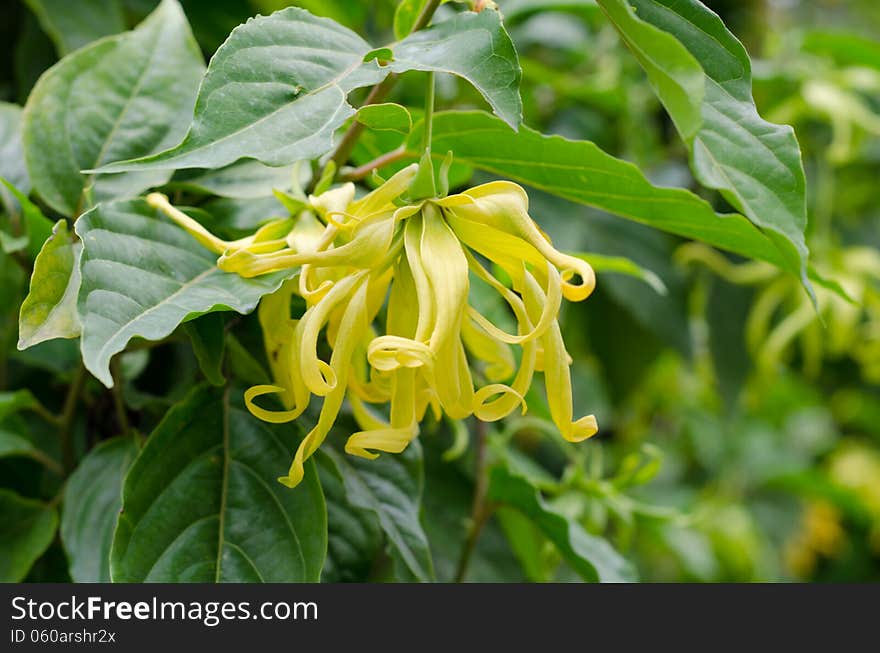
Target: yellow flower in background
(412, 265)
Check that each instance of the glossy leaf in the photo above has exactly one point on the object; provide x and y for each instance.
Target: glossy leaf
(27, 527)
(72, 25)
(118, 98)
(580, 171)
(754, 164)
(276, 90)
(200, 503)
(92, 500)
(142, 276)
(592, 557)
(391, 488)
(49, 311)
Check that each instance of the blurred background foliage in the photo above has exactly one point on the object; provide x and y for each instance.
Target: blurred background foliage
(740, 437)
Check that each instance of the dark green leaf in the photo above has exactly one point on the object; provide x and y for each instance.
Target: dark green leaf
(201, 504)
(208, 337)
(92, 500)
(35, 226)
(121, 97)
(592, 557)
(27, 527)
(354, 538)
(143, 276)
(391, 488)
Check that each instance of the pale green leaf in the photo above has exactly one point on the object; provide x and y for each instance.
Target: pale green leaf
(49, 311)
(121, 97)
(276, 90)
(92, 500)
(12, 167)
(27, 527)
(72, 25)
(388, 116)
(142, 276)
(245, 179)
(622, 265)
(201, 504)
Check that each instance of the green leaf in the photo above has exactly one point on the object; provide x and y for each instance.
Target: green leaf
(49, 310)
(27, 527)
(581, 172)
(276, 90)
(388, 116)
(754, 164)
(72, 25)
(92, 500)
(245, 179)
(12, 167)
(142, 276)
(846, 49)
(475, 47)
(200, 503)
(14, 402)
(391, 488)
(118, 98)
(208, 337)
(36, 226)
(592, 557)
(354, 537)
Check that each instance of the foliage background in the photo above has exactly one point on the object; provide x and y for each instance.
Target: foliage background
(711, 464)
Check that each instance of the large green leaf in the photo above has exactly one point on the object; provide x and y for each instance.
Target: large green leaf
(201, 504)
(391, 488)
(121, 97)
(92, 500)
(592, 557)
(756, 165)
(580, 171)
(12, 167)
(27, 527)
(276, 90)
(72, 25)
(49, 310)
(353, 535)
(143, 276)
(244, 179)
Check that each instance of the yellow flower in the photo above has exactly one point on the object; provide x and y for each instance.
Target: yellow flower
(413, 264)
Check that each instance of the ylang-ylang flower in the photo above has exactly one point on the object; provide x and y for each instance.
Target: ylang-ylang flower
(386, 285)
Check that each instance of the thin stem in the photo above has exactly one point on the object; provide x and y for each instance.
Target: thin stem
(429, 111)
(377, 94)
(480, 510)
(356, 174)
(68, 455)
(118, 402)
(44, 413)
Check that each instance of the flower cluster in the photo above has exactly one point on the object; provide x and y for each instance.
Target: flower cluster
(410, 266)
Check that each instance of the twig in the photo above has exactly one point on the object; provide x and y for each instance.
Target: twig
(68, 456)
(480, 510)
(118, 402)
(356, 174)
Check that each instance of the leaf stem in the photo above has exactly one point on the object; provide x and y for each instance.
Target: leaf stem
(356, 174)
(480, 509)
(429, 111)
(68, 455)
(118, 402)
(376, 95)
